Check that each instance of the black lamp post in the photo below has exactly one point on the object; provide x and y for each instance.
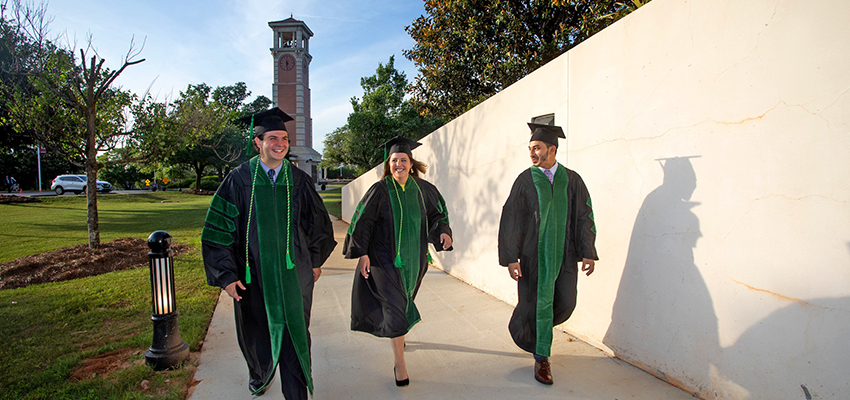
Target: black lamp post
(168, 349)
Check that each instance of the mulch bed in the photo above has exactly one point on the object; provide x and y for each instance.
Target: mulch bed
(77, 262)
(13, 198)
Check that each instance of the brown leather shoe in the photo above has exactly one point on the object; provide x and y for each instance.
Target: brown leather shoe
(543, 372)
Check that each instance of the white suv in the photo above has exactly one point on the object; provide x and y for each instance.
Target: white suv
(76, 184)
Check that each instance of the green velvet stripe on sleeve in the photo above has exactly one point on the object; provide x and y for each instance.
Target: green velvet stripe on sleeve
(441, 207)
(592, 228)
(220, 222)
(216, 236)
(223, 206)
(357, 213)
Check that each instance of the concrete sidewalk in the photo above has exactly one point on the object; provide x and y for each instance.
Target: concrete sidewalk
(460, 350)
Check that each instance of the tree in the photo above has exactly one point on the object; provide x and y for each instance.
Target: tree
(197, 127)
(382, 113)
(74, 109)
(469, 50)
(335, 154)
(124, 176)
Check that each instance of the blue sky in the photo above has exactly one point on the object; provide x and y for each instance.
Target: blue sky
(221, 42)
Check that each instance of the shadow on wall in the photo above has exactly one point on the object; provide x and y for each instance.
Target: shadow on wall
(808, 338)
(662, 291)
(464, 192)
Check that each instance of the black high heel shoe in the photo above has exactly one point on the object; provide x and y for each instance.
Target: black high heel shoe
(402, 382)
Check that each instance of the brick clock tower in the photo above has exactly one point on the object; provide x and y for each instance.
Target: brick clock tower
(291, 89)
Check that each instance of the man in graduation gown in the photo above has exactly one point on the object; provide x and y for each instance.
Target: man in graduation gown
(266, 236)
(546, 228)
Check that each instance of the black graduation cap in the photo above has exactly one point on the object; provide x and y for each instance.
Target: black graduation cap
(273, 119)
(400, 144)
(546, 133)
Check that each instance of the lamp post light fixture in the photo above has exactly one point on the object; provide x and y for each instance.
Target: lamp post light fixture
(168, 349)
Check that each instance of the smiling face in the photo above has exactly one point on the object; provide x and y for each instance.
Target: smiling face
(400, 167)
(542, 154)
(273, 147)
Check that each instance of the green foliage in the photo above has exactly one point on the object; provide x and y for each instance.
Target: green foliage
(198, 127)
(50, 328)
(123, 176)
(184, 184)
(381, 114)
(261, 103)
(469, 50)
(207, 183)
(341, 173)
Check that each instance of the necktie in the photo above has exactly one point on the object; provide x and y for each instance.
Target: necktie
(549, 175)
(271, 175)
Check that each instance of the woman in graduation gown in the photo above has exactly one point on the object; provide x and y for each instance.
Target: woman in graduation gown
(389, 235)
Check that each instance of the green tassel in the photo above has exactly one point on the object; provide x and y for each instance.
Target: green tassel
(430, 260)
(247, 273)
(248, 147)
(289, 263)
(398, 263)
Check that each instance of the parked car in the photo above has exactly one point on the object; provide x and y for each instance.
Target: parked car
(102, 186)
(76, 184)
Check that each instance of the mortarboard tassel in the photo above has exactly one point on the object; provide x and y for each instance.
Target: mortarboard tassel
(250, 138)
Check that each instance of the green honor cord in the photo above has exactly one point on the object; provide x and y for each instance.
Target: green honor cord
(287, 173)
(248, 227)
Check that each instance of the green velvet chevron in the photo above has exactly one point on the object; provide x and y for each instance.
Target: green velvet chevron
(219, 225)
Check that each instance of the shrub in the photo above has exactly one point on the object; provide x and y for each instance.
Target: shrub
(207, 183)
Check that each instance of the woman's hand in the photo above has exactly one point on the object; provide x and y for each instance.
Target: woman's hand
(363, 266)
(446, 240)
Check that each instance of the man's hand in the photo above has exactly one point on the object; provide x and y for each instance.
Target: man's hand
(513, 269)
(587, 265)
(446, 240)
(231, 290)
(363, 266)
(317, 272)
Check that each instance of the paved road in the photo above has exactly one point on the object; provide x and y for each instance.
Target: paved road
(52, 193)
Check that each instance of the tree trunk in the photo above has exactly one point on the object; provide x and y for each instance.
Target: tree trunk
(91, 179)
(199, 170)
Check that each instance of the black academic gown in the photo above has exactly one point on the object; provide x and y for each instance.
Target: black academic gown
(224, 252)
(518, 240)
(379, 304)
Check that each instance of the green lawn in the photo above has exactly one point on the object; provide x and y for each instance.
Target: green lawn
(332, 198)
(56, 222)
(49, 329)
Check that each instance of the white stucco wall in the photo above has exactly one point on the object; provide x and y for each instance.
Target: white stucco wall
(714, 137)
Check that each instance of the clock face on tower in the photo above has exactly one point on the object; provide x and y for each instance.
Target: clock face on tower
(287, 62)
